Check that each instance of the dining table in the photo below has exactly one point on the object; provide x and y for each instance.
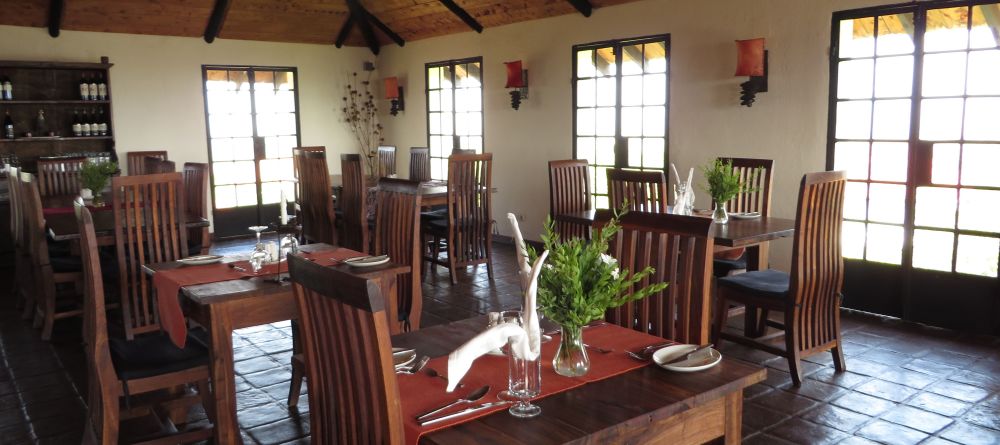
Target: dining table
(432, 193)
(222, 307)
(60, 219)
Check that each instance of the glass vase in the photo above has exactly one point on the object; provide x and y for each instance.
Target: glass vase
(719, 215)
(571, 359)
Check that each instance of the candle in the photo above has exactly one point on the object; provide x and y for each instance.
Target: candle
(284, 209)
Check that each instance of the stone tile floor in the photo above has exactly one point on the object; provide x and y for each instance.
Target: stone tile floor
(905, 383)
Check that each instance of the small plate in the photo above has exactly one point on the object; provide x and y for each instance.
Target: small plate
(368, 261)
(200, 259)
(748, 215)
(404, 357)
(664, 355)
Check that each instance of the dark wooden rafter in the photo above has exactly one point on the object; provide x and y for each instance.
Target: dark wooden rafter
(583, 6)
(361, 17)
(385, 29)
(344, 31)
(56, 9)
(216, 20)
(462, 14)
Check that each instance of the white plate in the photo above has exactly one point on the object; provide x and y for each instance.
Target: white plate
(748, 215)
(669, 353)
(368, 261)
(404, 357)
(200, 259)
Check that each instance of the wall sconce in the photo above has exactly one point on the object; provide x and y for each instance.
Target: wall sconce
(517, 78)
(394, 92)
(751, 60)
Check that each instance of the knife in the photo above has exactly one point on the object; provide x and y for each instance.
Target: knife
(463, 412)
(688, 355)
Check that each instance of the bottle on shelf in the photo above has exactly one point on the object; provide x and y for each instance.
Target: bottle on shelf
(102, 124)
(8, 126)
(84, 87)
(85, 124)
(102, 88)
(92, 88)
(8, 89)
(77, 127)
(41, 128)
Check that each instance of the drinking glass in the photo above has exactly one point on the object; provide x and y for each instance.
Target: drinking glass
(259, 255)
(524, 382)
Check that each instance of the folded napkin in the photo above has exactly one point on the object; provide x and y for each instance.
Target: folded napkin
(523, 269)
(529, 314)
(460, 360)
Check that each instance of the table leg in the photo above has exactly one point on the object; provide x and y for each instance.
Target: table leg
(227, 429)
(734, 418)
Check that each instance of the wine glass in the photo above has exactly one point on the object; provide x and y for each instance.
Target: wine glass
(257, 230)
(259, 256)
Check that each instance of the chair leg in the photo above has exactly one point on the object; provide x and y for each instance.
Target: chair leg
(451, 266)
(207, 400)
(721, 315)
(761, 322)
(839, 365)
(49, 320)
(792, 349)
(295, 387)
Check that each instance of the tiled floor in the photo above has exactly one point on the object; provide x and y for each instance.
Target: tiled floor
(905, 384)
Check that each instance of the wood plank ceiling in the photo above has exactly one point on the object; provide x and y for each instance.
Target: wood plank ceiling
(373, 23)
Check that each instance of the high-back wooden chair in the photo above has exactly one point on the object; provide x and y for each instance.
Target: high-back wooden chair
(468, 229)
(153, 165)
(316, 203)
(679, 248)
(22, 264)
(386, 161)
(810, 296)
(297, 154)
(60, 176)
(195, 191)
(48, 272)
(353, 394)
(758, 200)
(397, 234)
(110, 373)
(420, 164)
(137, 160)
(354, 204)
(149, 228)
(645, 191)
(569, 192)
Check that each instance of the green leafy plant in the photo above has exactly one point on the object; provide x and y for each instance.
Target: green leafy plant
(580, 282)
(94, 175)
(723, 183)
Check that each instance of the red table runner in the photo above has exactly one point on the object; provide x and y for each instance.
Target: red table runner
(420, 393)
(52, 211)
(169, 282)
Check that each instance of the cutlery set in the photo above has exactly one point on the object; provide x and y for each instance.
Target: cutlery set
(472, 397)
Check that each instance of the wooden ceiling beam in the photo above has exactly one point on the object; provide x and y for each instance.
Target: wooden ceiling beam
(462, 14)
(344, 31)
(365, 24)
(385, 29)
(583, 6)
(216, 20)
(56, 9)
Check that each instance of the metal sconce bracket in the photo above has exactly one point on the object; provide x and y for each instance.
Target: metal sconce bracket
(397, 103)
(519, 94)
(754, 85)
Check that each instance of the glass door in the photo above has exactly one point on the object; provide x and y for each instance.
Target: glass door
(454, 110)
(914, 113)
(620, 107)
(253, 125)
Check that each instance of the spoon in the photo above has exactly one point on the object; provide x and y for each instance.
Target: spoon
(471, 398)
(431, 372)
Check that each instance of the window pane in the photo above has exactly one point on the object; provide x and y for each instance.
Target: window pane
(284, 80)
(222, 149)
(605, 146)
(936, 207)
(856, 37)
(940, 119)
(895, 34)
(855, 200)
(654, 89)
(886, 203)
(854, 119)
(981, 119)
(979, 165)
(985, 26)
(652, 153)
(977, 255)
(275, 169)
(892, 119)
(225, 196)
(656, 57)
(586, 93)
(433, 101)
(631, 121)
(607, 92)
(602, 180)
(433, 78)
(894, 76)
(944, 74)
(434, 123)
(946, 29)
(243, 149)
(852, 241)
(631, 59)
(585, 124)
(606, 62)
(585, 64)
(243, 173)
(854, 79)
(889, 161)
(447, 123)
(246, 195)
(984, 72)
(944, 164)
(932, 249)
(605, 121)
(635, 152)
(654, 121)
(475, 121)
(632, 90)
(447, 103)
(977, 210)
(222, 173)
(852, 157)
(446, 76)
(271, 192)
(585, 149)
(885, 243)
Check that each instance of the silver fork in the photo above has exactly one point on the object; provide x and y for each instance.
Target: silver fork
(601, 350)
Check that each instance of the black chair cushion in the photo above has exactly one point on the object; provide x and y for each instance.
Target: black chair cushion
(434, 215)
(721, 266)
(768, 283)
(154, 354)
(65, 264)
(438, 224)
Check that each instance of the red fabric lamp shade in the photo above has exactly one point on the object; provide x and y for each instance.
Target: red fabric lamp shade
(391, 88)
(515, 75)
(750, 57)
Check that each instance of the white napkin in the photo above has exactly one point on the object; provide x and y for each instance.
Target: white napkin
(529, 314)
(523, 269)
(460, 360)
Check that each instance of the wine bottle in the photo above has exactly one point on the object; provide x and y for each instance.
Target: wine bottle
(8, 89)
(102, 125)
(95, 126)
(8, 126)
(77, 127)
(84, 87)
(85, 124)
(92, 88)
(102, 88)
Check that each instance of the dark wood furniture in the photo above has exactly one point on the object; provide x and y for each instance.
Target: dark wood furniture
(353, 204)
(297, 153)
(645, 191)
(137, 160)
(397, 234)
(353, 396)
(54, 89)
(759, 199)
(196, 191)
(420, 164)
(225, 306)
(62, 226)
(316, 208)
(153, 165)
(569, 191)
(59, 176)
(468, 229)
(661, 407)
(679, 248)
(113, 373)
(810, 296)
(386, 161)
(22, 285)
(149, 228)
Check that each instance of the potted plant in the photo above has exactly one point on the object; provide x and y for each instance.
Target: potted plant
(361, 115)
(578, 284)
(94, 177)
(723, 184)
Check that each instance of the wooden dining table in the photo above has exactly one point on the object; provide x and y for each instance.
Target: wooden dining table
(63, 226)
(229, 305)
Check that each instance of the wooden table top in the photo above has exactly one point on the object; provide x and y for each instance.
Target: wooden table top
(737, 233)
(63, 227)
(644, 395)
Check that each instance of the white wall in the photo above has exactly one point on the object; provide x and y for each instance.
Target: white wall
(787, 124)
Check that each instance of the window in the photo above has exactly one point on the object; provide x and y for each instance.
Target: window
(454, 110)
(620, 104)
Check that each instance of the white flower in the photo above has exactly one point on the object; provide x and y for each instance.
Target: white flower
(614, 273)
(608, 259)
(547, 266)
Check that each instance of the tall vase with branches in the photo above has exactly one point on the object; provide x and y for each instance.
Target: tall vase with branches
(361, 114)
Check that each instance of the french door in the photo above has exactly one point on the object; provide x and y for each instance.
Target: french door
(620, 105)
(454, 110)
(253, 125)
(915, 100)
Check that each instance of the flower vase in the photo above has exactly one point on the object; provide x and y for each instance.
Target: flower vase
(97, 201)
(571, 359)
(719, 215)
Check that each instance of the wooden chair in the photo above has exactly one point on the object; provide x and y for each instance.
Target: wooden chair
(353, 394)
(60, 176)
(397, 234)
(195, 190)
(149, 228)
(22, 292)
(118, 368)
(420, 164)
(759, 200)
(316, 205)
(354, 204)
(386, 161)
(646, 191)
(468, 229)
(810, 296)
(297, 153)
(153, 165)
(569, 192)
(680, 249)
(51, 274)
(137, 160)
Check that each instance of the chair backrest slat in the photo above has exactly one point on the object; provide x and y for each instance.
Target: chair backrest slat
(196, 189)
(137, 160)
(386, 161)
(569, 192)
(60, 176)
(153, 165)
(397, 234)
(315, 200)
(680, 249)
(16, 213)
(354, 204)
(645, 191)
(420, 164)
(353, 393)
(35, 240)
(297, 153)
(470, 208)
(758, 200)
